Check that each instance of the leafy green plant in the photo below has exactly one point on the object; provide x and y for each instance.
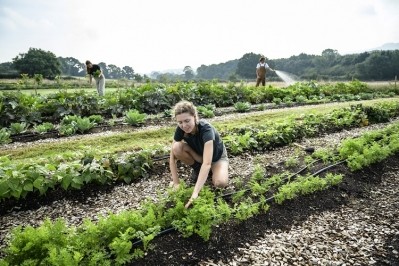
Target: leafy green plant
(276, 101)
(246, 209)
(304, 185)
(301, 99)
(34, 245)
(5, 136)
(69, 119)
(84, 124)
(39, 80)
(133, 166)
(96, 73)
(204, 214)
(167, 113)
(112, 121)
(242, 107)
(18, 128)
(68, 129)
(205, 111)
(238, 143)
(292, 161)
(135, 118)
(261, 107)
(96, 119)
(43, 128)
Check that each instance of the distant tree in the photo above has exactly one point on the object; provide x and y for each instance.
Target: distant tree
(233, 78)
(7, 70)
(72, 67)
(222, 71)
(104, 69)
(247, 64)
(127, 72)
(155, 74)
(327, 59)
(380, 65)
(188, 72)
(298, 64)
(138, 77)
(114, 72)
(37, 61)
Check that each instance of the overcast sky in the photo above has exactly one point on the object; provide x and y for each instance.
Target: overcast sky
(155, 35)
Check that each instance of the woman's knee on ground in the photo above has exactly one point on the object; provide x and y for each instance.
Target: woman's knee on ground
(220, 182)
(220, 178)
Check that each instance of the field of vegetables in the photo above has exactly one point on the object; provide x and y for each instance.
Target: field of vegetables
(101, 196)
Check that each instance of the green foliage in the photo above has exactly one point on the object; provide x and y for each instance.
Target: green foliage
(276, 101)
(242, 107)
(97, 73)
(324, 154)
(292, 161)
(155, 98)
(37, 61)
(36, 244)
(43, 128)
(130, 167)
(84, 124)
(238, 143)
(96, 119)
(370, 148)
(246, 209)
(206, 111)
(200, 218)
(69, 119)
(134, 117)
(18, 128)
(304, 185)
(68, 129)
(70, 124)
(5, 136)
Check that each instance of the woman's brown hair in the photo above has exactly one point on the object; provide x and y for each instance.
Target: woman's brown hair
(186, 107)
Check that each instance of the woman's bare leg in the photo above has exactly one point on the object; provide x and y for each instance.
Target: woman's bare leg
(220, 174)
(185, 153)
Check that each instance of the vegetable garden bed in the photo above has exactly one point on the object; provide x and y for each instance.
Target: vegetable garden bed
(172, 249)
(251, 210)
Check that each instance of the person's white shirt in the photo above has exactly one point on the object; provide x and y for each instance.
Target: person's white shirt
(262, 65)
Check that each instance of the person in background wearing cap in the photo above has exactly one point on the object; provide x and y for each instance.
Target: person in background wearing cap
(261, 71)
(96, 72)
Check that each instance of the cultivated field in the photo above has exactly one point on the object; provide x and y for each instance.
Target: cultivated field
(352, 221)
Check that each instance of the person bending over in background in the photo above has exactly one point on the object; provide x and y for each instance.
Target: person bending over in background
(198, 144)
(96, 72)
(261, 71)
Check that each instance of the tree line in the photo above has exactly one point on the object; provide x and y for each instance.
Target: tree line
(330, 65)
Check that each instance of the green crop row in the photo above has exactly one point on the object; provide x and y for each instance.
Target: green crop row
(271, 134)
(154, 98)
(110, 240)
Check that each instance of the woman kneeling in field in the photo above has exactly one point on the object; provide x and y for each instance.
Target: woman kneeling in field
(198, 144)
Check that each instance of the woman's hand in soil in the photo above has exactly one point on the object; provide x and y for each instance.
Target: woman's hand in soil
(189, 202)
(175, 186)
